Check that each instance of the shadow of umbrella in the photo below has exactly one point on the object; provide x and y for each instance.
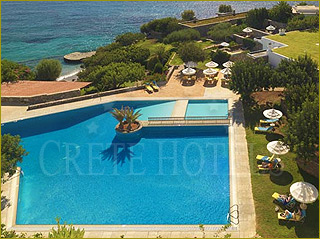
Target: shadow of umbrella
(284, 178)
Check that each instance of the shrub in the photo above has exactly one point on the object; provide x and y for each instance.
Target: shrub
(224, 30)
(249, 43)
(182, 36)
(225, 8)
(191, 52)
(65, 231)
(301, 23)
(48, 69)
(188, 15)
(220, 56)
(11, 153)
(155, 77)
(129, 38)
(12, 71)
(163, 26)
(256, 17)
(152, 62)
(158, 68)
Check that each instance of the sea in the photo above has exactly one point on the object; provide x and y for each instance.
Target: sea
(31, 31)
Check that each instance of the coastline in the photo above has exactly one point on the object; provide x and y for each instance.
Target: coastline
(69, 77)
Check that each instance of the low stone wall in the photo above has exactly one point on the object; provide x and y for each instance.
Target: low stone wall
(30, 100)
(84, 97)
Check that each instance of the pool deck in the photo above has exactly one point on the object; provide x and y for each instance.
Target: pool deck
(240, 179)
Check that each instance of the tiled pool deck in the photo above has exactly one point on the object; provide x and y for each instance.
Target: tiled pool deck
(240, 179)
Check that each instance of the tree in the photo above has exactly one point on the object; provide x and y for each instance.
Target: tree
(249, 76)
(298, 72)
(119, 114)
(188, 15)
(66, 231)
(191, 52)
(131, 117)
(12, 71)
(300, 22)
(303, 130)
(129, 38)
(12, 152)
(158, 68)
(281, 12)
(164, 26)
(225, 8)
(161, 53)
(182, 36)
(249, 43)
(220, 56)
(302, 4)
(221, 31)
(48, 69)
(115, 75)
(256, 17)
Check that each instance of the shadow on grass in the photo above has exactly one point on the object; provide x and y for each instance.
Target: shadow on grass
(273, 136)
(284, 178)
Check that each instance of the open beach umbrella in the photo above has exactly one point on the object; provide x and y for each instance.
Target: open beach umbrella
(247, 30)
(224, 44)
(212, 64)
(228, 64)
(272, 114)
(278, 147)
(226, 71)
(209, 72)
(189, 71)
(270, 28)
(304, 192)
(191, 64)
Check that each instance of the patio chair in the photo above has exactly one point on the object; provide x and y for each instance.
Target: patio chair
(263, 129)
(280, 201)
(155, 86)
(268, 121)
(295, 218)
(148, 88)
(265, 158)
(274, 165)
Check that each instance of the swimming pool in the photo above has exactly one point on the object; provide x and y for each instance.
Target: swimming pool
(217, 108)
(79, 170)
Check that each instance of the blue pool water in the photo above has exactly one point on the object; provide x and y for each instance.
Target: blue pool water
(79, 170)
(217, 108)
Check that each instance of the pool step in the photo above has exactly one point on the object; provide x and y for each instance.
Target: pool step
(180, 108)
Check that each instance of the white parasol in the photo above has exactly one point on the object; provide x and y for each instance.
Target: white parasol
(247, 30)
(270, 28)
(189, 71)
(191, 64)
(278, 147)
(228, 64)
(304, 192)
(224, 44)
(212, 64)
(209, 72)
(226, 71)
(272, 114)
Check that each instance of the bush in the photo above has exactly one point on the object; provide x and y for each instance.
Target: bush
(191, 52)
(256, 17)
(188, 15)
(152, 62)
(65, 231)
(220, 56)
(129, 38)
(281, 12)
(301, 22)
(182, 36)
(155, 77)
(11, 153)
(158, 68)
(48, 69)
(249, 43)
(222, 31)
(12, 71)
(225, 8)
(163, 26)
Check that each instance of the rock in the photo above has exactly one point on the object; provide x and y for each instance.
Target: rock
(78, 56)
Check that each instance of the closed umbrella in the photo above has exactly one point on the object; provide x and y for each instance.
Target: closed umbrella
(304, 192)
(272, 114)
(189, 71)
(228, 64)
(209, 72)
(212, 64)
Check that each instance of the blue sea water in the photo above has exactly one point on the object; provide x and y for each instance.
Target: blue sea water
(79, 170)
(31, 31)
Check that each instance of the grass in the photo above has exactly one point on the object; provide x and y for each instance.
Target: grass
(152, 45)
(215, 20)
(299, 42)
(264, 185)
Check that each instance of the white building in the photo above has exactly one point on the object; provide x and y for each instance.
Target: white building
(308, 10)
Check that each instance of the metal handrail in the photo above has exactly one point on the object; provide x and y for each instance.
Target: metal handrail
(234, 209)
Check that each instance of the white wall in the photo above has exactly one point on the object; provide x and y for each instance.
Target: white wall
(273, 44)
(274, 59)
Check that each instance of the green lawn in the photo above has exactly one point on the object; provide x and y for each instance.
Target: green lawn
(264, 185)
(299, 42)
(152, 45)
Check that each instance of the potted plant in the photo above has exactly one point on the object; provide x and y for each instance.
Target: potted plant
(128, 119)
(119, 114)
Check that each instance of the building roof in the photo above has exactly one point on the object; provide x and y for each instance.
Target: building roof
(298, 43)
(306, 10)
(33, 88)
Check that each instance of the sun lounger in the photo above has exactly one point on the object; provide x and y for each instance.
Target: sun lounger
(275, 165)
(266, 158)
(296, 218)
(268, 121)
(148, 88)
(155, 86)
(289, 205)
(263, 129)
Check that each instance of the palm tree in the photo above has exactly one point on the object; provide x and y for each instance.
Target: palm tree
(119, 114)
(131, 116)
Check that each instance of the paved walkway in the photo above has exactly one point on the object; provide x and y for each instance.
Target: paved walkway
(240, 180)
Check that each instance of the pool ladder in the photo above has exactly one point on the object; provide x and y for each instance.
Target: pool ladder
(233, 214)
